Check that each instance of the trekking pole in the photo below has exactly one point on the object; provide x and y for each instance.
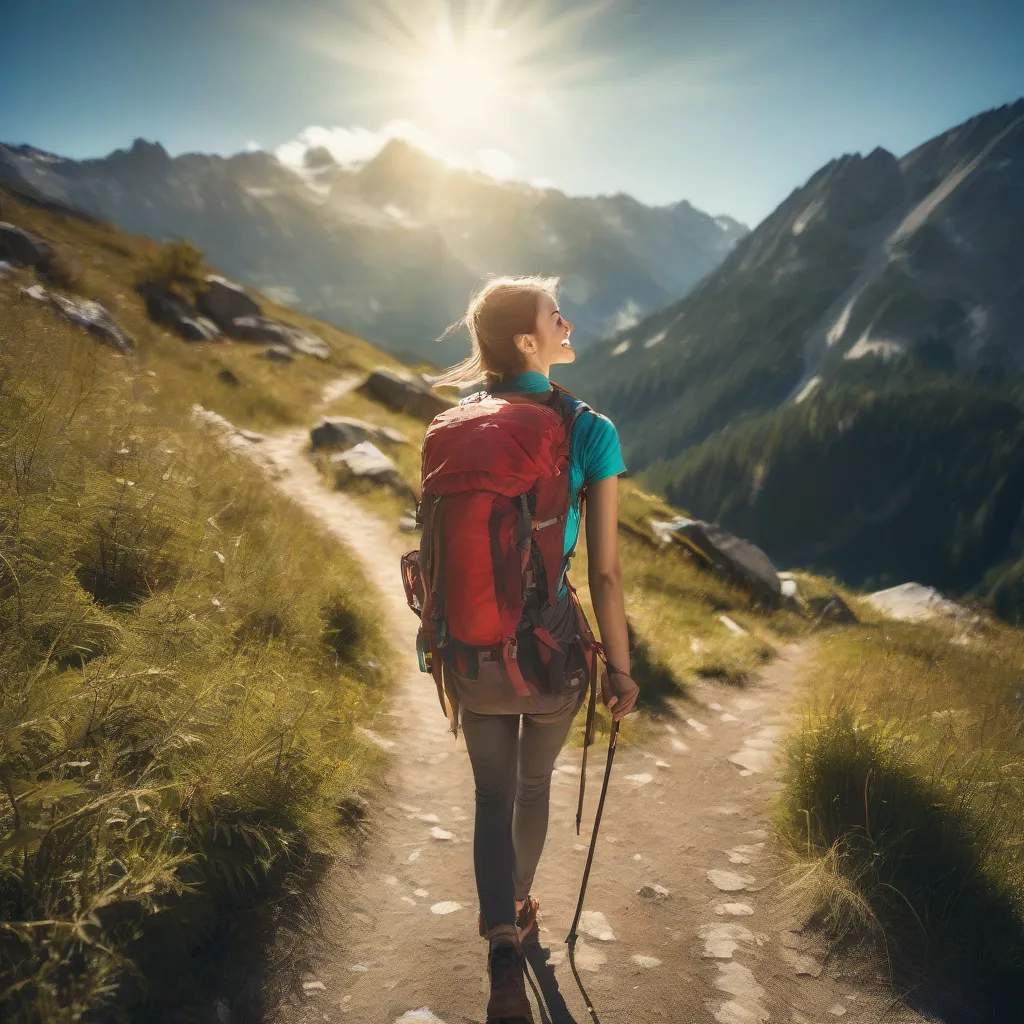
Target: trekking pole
(588, 739)
(572, 936)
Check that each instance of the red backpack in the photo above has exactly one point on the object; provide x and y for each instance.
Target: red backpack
(485, 580)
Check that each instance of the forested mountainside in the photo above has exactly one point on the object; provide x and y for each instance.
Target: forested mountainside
(846, 388)
(392, 248)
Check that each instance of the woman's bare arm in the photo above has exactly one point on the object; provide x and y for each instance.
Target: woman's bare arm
(605, 572)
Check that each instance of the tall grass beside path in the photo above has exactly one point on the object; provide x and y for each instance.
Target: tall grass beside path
(183, 661)
(906, 783)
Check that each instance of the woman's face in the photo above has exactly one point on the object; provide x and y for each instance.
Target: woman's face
(550, 339)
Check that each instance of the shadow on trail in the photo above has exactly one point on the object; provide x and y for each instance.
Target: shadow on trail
(542, 975)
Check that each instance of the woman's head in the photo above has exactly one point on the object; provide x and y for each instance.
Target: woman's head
(514, 326)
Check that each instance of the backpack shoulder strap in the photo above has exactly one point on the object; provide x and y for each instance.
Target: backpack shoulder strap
(567, 405)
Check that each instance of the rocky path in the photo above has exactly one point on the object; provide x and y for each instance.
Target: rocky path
(685, 918)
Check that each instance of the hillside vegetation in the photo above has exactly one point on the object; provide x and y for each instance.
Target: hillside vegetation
(183, 658)
(873, 485)
(905, 783)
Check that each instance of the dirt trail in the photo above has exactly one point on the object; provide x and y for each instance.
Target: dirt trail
(686, 811)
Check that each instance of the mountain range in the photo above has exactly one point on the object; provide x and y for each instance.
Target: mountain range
(392, 248)
(845, 387)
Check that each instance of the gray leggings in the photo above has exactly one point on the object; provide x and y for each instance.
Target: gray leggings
(512, 773)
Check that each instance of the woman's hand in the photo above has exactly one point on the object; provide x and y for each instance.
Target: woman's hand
(619, 693)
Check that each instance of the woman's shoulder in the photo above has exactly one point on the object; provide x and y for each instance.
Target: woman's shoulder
(594, 423)
(596, 444)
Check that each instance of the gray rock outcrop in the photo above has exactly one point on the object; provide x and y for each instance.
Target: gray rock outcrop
(342, 431)
(308, 344)
(368, 464)
(267, 329)
(96, 319)
(92, 316)
(22, 248)
(224, 301)
(165, 307)
(404, 392)
(279, 354)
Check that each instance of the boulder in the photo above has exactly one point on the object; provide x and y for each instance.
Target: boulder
(915, 601)
(197, 328)
(367, 463)
(739, 561)
(165, 307)
(96, 319)
(343, 431)
(279, 354)
(404, 392)
(308, 344)
(831, 609)
(259, 329)
(267, 329)
(224, 300)
(22, 248)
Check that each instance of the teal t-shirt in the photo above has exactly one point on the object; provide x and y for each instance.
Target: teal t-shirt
(594, 454)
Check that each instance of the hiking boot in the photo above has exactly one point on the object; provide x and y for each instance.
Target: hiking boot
(526, 919)
(508, 1000)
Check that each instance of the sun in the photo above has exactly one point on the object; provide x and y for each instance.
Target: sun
(461, 82)
(477, 65)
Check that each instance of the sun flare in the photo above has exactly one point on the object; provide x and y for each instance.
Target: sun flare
(460, 83)
(486, 66)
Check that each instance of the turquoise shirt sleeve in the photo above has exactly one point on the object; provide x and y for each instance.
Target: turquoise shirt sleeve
(601, 453)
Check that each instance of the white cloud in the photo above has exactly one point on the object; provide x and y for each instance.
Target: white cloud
(252, 146)
(625, 317)
(354, 145)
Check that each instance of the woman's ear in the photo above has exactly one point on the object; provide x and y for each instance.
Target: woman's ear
(526, 343)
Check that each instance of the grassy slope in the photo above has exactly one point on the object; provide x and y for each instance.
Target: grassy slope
(905, 784)
(183, 657)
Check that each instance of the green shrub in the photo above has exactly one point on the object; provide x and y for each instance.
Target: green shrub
(177, 266)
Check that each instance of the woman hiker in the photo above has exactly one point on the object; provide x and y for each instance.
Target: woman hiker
(514, 732)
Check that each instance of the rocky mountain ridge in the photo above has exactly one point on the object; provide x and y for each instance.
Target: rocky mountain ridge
(847, 389)
(915, 257)
(393, 247)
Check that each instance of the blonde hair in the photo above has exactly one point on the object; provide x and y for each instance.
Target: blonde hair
(503, 308)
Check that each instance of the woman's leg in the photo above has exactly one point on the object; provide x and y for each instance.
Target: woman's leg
(492, 742)
(538, 748)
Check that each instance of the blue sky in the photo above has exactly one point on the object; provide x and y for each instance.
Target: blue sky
(730, 105)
